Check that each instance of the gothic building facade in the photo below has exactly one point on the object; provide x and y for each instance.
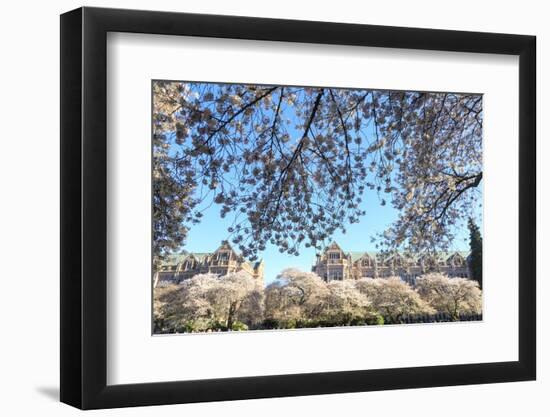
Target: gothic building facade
(332, 264)
(222, 261)
(335, 264)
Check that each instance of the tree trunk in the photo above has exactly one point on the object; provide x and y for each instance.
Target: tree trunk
(230, 315)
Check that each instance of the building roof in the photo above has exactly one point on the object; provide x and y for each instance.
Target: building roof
(355, 255)
(176, 259)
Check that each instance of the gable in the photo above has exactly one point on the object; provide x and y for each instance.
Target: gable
(333, 247)
(226, 247)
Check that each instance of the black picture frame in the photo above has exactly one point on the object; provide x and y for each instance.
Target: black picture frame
(84, 207)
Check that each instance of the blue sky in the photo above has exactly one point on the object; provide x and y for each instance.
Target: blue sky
(208, 234)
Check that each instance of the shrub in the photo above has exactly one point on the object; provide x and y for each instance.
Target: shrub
(239, 326)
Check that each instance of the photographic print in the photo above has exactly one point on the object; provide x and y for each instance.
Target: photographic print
(292, 207)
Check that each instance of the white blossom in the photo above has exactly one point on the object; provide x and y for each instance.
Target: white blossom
(453, 296)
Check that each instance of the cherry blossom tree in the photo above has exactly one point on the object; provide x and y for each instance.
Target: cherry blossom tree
(393, 298)
(237, 295)
(436, 163)
(345, 305)
(173, 183)
(300, 298)
(280, 309)
(291, 165)
(296, 295)
(187, 306)
(207, 301)
(236, 301)
(453, 296)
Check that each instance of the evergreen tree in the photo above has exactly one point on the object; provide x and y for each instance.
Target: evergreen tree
(476, 256)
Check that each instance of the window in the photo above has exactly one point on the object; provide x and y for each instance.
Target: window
(223, 256)
(334, 256)
(336, 275)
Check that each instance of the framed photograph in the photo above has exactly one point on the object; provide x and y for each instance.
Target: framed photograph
(256, 208)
